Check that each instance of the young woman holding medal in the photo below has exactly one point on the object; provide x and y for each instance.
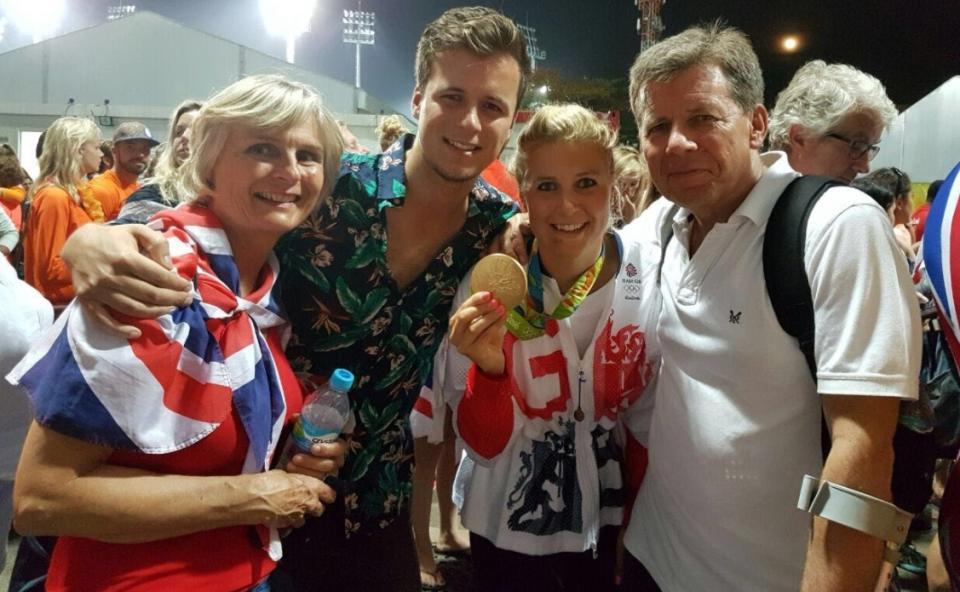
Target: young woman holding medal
(539, 390)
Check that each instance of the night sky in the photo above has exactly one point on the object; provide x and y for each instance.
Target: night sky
(911, 45)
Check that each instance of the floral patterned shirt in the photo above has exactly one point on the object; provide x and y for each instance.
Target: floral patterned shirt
(347, 312)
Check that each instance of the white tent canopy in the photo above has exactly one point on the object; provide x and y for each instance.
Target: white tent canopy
(144, 65)
(924, 140)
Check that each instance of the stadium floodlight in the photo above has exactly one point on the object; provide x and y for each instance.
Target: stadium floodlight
(359, 29)
(288, 19)
(38, 18)
(533, 50)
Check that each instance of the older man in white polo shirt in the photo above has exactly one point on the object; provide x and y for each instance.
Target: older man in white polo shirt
(738, 415)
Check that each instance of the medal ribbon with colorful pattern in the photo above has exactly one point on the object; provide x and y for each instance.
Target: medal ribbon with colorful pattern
(528, 320)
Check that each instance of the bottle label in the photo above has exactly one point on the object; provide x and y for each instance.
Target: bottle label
(305, 434)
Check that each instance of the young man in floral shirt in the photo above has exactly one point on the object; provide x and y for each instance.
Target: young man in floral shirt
(368, 281)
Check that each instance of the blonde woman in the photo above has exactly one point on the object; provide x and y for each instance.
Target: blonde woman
(538, 391)
(149, 455)
(631, 183)
(160, 190)
(389, 130)
(60, 202)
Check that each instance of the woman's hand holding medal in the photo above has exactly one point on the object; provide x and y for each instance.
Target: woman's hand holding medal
(477, 328)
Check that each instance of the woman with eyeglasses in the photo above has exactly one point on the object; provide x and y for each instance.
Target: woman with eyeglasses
(829, 120)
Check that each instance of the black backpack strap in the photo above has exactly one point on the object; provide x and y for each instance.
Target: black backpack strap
(785, 275)
(783, 267)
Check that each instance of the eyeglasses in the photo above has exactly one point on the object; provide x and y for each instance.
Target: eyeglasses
(857, 147)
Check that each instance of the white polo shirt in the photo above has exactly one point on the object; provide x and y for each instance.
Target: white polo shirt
(737, 419)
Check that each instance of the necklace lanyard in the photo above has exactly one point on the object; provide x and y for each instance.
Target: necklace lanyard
(528, 321)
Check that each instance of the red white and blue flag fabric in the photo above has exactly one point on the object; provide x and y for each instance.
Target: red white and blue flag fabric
(184, 375)
(941, 250)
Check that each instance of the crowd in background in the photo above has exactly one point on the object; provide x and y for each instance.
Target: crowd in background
(640, 419)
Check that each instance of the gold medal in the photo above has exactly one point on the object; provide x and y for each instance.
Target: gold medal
(501, 275)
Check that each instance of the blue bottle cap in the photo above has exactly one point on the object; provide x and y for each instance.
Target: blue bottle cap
(341, 380)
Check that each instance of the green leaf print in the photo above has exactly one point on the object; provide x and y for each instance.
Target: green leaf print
(432, 300)
(367, 253)
(352, 214)
(367, 414)
(335, 341)
(405, 323)
(401, 344)
(384, 419)
(372, 304)
(389, 480)
(398, 189)
(363, 459)
(308, 270)
(397, 373)
(348, 299)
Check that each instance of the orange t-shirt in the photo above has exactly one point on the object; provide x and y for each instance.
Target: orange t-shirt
(53, 217)
(111, 192)
(497, 175)
(10, 200)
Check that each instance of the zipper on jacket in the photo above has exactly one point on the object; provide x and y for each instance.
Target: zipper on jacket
(586, 460)
(578, 413)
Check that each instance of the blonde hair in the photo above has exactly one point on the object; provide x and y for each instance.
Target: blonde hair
(389, 129)
(561, 123)
(477, 29)
(629, 165)
(166, 169)
(822, 94)
(266, 101)
(61, 163)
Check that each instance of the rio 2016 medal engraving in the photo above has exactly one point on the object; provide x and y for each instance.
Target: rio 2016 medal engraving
(501, 275)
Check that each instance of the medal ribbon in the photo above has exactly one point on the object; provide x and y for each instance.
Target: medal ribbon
(528, 321)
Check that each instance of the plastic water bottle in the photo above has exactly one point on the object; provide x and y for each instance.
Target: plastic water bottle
(325, 411)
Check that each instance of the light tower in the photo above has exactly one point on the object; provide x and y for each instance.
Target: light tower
(358, 29)
(288, 19)
(119, 11)
(533, 50)
(649, 25)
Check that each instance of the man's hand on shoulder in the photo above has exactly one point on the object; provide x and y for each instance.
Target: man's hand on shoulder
(124, 268)
(512, 240)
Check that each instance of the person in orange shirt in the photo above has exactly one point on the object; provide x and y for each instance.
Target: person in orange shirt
(131, 152)
(61, 202)
(497, 175)
(13, 187)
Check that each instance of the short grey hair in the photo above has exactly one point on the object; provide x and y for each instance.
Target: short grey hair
(703, 45)
(821, 95)
(265, 101)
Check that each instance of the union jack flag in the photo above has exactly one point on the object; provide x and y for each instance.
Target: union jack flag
(941, 250)
(179, 380)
